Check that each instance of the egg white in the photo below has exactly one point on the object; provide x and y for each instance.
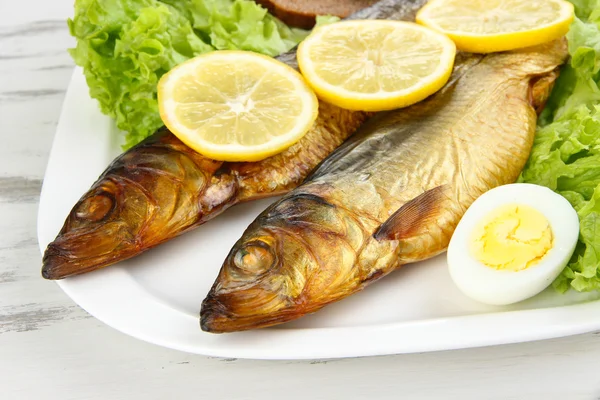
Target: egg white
(501, 287)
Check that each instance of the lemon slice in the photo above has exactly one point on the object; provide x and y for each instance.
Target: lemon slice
(236, 105)
(485, 26)
(375, 65)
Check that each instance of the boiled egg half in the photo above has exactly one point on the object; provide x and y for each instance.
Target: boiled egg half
(512, 243)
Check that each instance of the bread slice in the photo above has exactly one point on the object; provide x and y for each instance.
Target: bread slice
(302, 13)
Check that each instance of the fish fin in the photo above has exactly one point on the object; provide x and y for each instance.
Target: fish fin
(412, 215)
(540, 88)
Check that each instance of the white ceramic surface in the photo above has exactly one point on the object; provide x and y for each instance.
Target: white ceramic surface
(156, 296)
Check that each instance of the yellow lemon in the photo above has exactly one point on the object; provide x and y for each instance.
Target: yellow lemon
(236, 105)
(375, 65)
(485, 26)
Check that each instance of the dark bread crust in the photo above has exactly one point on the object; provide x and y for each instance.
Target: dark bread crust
(302, 13)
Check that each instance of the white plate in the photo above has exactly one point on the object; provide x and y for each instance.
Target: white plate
(156, 297)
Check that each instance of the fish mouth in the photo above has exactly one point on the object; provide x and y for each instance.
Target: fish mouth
(76, 253)
(213, 321)
(56, 265)
(218, 315)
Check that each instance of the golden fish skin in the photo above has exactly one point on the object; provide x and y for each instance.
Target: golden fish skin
(161, 188)
(391, 195)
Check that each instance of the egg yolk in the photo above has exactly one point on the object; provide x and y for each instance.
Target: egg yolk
(512, 237)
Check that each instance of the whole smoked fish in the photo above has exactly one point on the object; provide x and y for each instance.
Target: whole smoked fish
(391, 195)
(161, 188)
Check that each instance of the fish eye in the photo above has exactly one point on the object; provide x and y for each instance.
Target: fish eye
(254, 257)
(95, 208)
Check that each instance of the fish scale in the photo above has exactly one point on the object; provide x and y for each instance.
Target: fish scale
(405, 179)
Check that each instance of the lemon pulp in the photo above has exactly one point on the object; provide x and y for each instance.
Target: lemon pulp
(485, 26)
(375, 65)
(236, 105)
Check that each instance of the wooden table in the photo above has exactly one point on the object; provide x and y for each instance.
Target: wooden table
(51, 349)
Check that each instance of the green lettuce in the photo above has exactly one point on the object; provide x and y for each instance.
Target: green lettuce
(125, 46)
(566, 151)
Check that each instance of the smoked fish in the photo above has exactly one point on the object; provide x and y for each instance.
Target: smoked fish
(391, 195)
(161, 188)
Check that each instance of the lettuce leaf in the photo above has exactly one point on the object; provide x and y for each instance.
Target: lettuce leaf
(583, 8)
(125, 46)
(566, 151)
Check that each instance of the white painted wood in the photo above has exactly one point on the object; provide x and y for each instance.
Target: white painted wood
(51, 349)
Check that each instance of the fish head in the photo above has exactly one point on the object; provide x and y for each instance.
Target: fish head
(103, 224)
(155, 191)
(294, 259)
